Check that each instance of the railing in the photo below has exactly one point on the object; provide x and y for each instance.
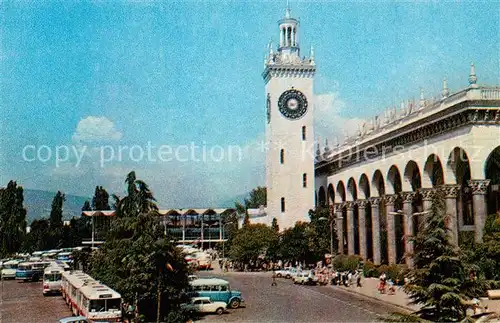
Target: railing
(490, 94)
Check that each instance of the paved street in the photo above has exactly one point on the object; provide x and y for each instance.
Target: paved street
(287, 302)
(24, 302)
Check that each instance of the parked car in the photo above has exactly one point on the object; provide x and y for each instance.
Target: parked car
(287, 273)
(74, 319)
(305, 278)
(204, 305)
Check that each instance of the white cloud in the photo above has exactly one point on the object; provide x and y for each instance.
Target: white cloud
(92, 129)
(329, 122)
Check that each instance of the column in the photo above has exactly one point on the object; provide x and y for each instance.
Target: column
(286, 36)
(202, 229)
(427, 198)
(408, 226)
(390, 200)
(350, 228)
(362, 228)
(340, 227)
(375, 204)
(220, 227)
(479, 190)
(281, 37)
(451, 193)
(184, 229)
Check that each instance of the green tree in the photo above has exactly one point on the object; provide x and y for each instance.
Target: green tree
(39, 237)
(86, 206)
(256, 198)
(294, 244)
(250, 242)
(56, 213)
(137, 260)
(440, 280)
(100, 201)
(12, 218)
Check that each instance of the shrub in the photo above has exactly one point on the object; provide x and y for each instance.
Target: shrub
(393, 272)
(370, 270)
(346, 263)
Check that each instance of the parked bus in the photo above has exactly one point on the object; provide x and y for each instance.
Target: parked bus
(100, 303)
(64, 256)
(217, 289)
(71, 281)
(9, 269)
(31, 270)
(52, 277)
(89, 298)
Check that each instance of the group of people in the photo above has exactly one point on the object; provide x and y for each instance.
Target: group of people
(384, 283)
(346, 278)
(128, 312)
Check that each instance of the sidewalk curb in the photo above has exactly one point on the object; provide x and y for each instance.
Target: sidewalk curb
(405, 308)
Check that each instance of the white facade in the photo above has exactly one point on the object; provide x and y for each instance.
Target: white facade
(289, 129)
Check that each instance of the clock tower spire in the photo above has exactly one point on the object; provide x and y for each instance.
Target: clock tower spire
(289, 131)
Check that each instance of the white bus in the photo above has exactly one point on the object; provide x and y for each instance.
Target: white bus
(52, 276)
(100, 303)
(71, 282)
(86, 296)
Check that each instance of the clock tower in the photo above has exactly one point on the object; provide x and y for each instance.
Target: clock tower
(288, 81)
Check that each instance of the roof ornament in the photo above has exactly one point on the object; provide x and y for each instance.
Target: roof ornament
(327, 148)
(472, 76)
(422, 99)
(446, 92)
(318, 149)
(312, 54)
(287, 12)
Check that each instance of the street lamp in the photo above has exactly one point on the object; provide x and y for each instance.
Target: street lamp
(330, 221)
(223, 228)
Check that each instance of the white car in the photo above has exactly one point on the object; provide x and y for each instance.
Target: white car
(204, 305)
(305, 278)
(287, 273)
(9, 269)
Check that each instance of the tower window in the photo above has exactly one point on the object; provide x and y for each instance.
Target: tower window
(304, 180)
(282, 204)
(282, 156)
(303, 132)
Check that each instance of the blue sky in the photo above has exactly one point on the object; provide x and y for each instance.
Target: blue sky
(78, 74)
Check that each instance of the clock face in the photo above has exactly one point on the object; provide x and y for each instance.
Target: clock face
(268, 108)
(292, 104)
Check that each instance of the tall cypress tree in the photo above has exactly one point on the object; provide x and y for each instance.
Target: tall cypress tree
(12, 218)
(440, 281)
(56, 212)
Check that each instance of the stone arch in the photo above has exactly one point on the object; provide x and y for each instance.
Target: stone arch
(341, 191)
(433, 172)
(364, 186)
(331, 194)
(492, 172)
(352, 189)
(394, 179)
(322, 196)
(412, 178)
(459, 166)
(378, 184)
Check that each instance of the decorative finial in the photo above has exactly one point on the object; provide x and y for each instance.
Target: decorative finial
(287, 12)
(312, 53)
(472, 76)
(422, 99)
(327, 149)
(271, 52)
(446, 92)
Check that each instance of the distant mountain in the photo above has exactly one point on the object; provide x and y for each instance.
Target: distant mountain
(38, 204)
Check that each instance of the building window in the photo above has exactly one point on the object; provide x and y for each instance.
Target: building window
(303, 132)
(282, 156)
(282, 204)
(304, 180)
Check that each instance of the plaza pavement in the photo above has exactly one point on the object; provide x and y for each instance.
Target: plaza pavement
(399, 299)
